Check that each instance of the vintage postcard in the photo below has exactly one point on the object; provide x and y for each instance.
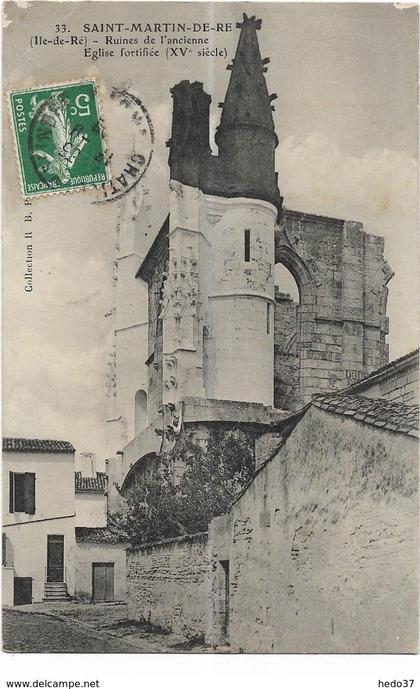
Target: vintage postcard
(210, 328)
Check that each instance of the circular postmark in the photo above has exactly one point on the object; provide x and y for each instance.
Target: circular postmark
(130, 138)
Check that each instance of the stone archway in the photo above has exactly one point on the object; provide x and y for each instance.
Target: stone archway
(140, 411)
(140, 469)
(292, 321)
(341, 275)
(291, 260)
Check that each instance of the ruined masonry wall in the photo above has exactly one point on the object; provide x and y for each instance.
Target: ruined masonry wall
(286, 353)
(168, 584)
(342, 279)
(323, 545)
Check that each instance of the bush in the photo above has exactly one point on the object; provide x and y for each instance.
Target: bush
(163, 505)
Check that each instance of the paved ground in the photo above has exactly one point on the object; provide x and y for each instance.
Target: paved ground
(36, 633)
(84, 628)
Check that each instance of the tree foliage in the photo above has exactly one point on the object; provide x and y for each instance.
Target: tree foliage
(186, 487)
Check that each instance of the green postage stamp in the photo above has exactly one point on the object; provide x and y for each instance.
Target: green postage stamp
(59, 138)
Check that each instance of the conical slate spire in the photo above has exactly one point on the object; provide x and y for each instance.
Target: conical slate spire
(247, 100)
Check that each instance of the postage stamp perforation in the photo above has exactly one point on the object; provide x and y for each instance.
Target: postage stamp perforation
(101, 137)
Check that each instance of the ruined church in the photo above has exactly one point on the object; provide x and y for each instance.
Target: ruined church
(203, 334)
(318, 553)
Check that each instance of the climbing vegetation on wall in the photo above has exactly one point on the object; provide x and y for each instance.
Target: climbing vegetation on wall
(186, 487)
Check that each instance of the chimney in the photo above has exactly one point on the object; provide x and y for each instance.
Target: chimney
(88, 464)
(189, 142)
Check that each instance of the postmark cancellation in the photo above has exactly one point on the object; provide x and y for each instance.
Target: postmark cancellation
(59, 138)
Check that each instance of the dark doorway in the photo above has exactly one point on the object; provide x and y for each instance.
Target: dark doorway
(102, 581)
(55, 558)
(224, 608)
(22, 590)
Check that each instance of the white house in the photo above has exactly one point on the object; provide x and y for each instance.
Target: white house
(100, 562)
(100, 565)
(38, 520)
(55, 540)
(90, 492)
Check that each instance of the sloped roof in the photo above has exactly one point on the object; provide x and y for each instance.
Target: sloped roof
(160, 245)
(36, 445)
(90, 484)
(403, 362)
(391, 416)
(86, 534)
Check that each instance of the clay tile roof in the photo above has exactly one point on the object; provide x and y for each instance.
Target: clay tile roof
(392, 416)
(410, 356)
(98, 535)
(407, 360)
(88, 484)
(36, 445)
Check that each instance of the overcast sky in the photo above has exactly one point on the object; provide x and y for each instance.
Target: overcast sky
(346, 119)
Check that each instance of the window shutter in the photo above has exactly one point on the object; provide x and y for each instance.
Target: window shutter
(3, 550)
(29, 493)
(11, 492)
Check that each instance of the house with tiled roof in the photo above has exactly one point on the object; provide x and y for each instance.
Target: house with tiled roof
(100, 554)
(90, 488)
(38, 534)
(56, 544)
(101, 571)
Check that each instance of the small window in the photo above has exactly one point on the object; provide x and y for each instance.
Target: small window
(140, 411)
(22, 492)
(247, 239)
(268, 319)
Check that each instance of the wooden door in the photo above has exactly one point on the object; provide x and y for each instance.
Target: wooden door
(55, 558)
(22, 590)
(225, 611)
(102, 581)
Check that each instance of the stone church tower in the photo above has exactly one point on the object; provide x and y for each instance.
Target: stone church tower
(223, 344)
(218, 300)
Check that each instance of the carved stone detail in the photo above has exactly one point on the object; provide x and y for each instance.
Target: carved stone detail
(170, 372)
(111, 374)
(181, 292)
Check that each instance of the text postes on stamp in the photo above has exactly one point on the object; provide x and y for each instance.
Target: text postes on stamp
(59, 138)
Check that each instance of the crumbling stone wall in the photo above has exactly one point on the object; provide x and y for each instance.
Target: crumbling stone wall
(335, 337)
(342, 276)
(286, 352)
(168, 584)
(322, 545)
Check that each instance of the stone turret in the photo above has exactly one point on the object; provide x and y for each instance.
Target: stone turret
(245, 137)
(223, 347)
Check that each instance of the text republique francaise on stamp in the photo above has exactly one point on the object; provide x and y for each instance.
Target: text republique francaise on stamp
(59, 138)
